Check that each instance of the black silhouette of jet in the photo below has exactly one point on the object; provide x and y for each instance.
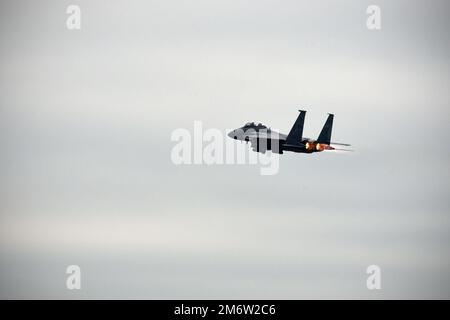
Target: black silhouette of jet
(263, 138)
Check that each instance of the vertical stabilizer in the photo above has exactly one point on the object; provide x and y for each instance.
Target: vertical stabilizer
(325, 134)
(295, 135)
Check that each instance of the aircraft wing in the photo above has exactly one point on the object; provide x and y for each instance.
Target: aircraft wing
(264, 144)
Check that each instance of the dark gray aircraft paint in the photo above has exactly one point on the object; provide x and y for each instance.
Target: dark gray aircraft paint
(263, 138)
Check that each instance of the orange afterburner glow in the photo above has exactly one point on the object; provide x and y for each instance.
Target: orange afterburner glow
(312, 145)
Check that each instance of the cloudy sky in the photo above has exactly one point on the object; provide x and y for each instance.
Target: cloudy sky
(87, 178)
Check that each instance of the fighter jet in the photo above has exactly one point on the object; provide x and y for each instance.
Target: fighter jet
(263, 138)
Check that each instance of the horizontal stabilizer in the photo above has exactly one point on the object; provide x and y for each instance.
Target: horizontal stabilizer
(343, 150)
(341, 144)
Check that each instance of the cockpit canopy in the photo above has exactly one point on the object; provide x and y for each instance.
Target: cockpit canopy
(253, 125)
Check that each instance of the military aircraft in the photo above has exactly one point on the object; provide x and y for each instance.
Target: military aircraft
(263, 138)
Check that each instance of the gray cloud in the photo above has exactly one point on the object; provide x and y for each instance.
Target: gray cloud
(86, 118)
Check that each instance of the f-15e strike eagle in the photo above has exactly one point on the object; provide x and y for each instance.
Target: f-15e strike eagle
(263, 138)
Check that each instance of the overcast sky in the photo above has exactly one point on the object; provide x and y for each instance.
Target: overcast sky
(87, 179)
